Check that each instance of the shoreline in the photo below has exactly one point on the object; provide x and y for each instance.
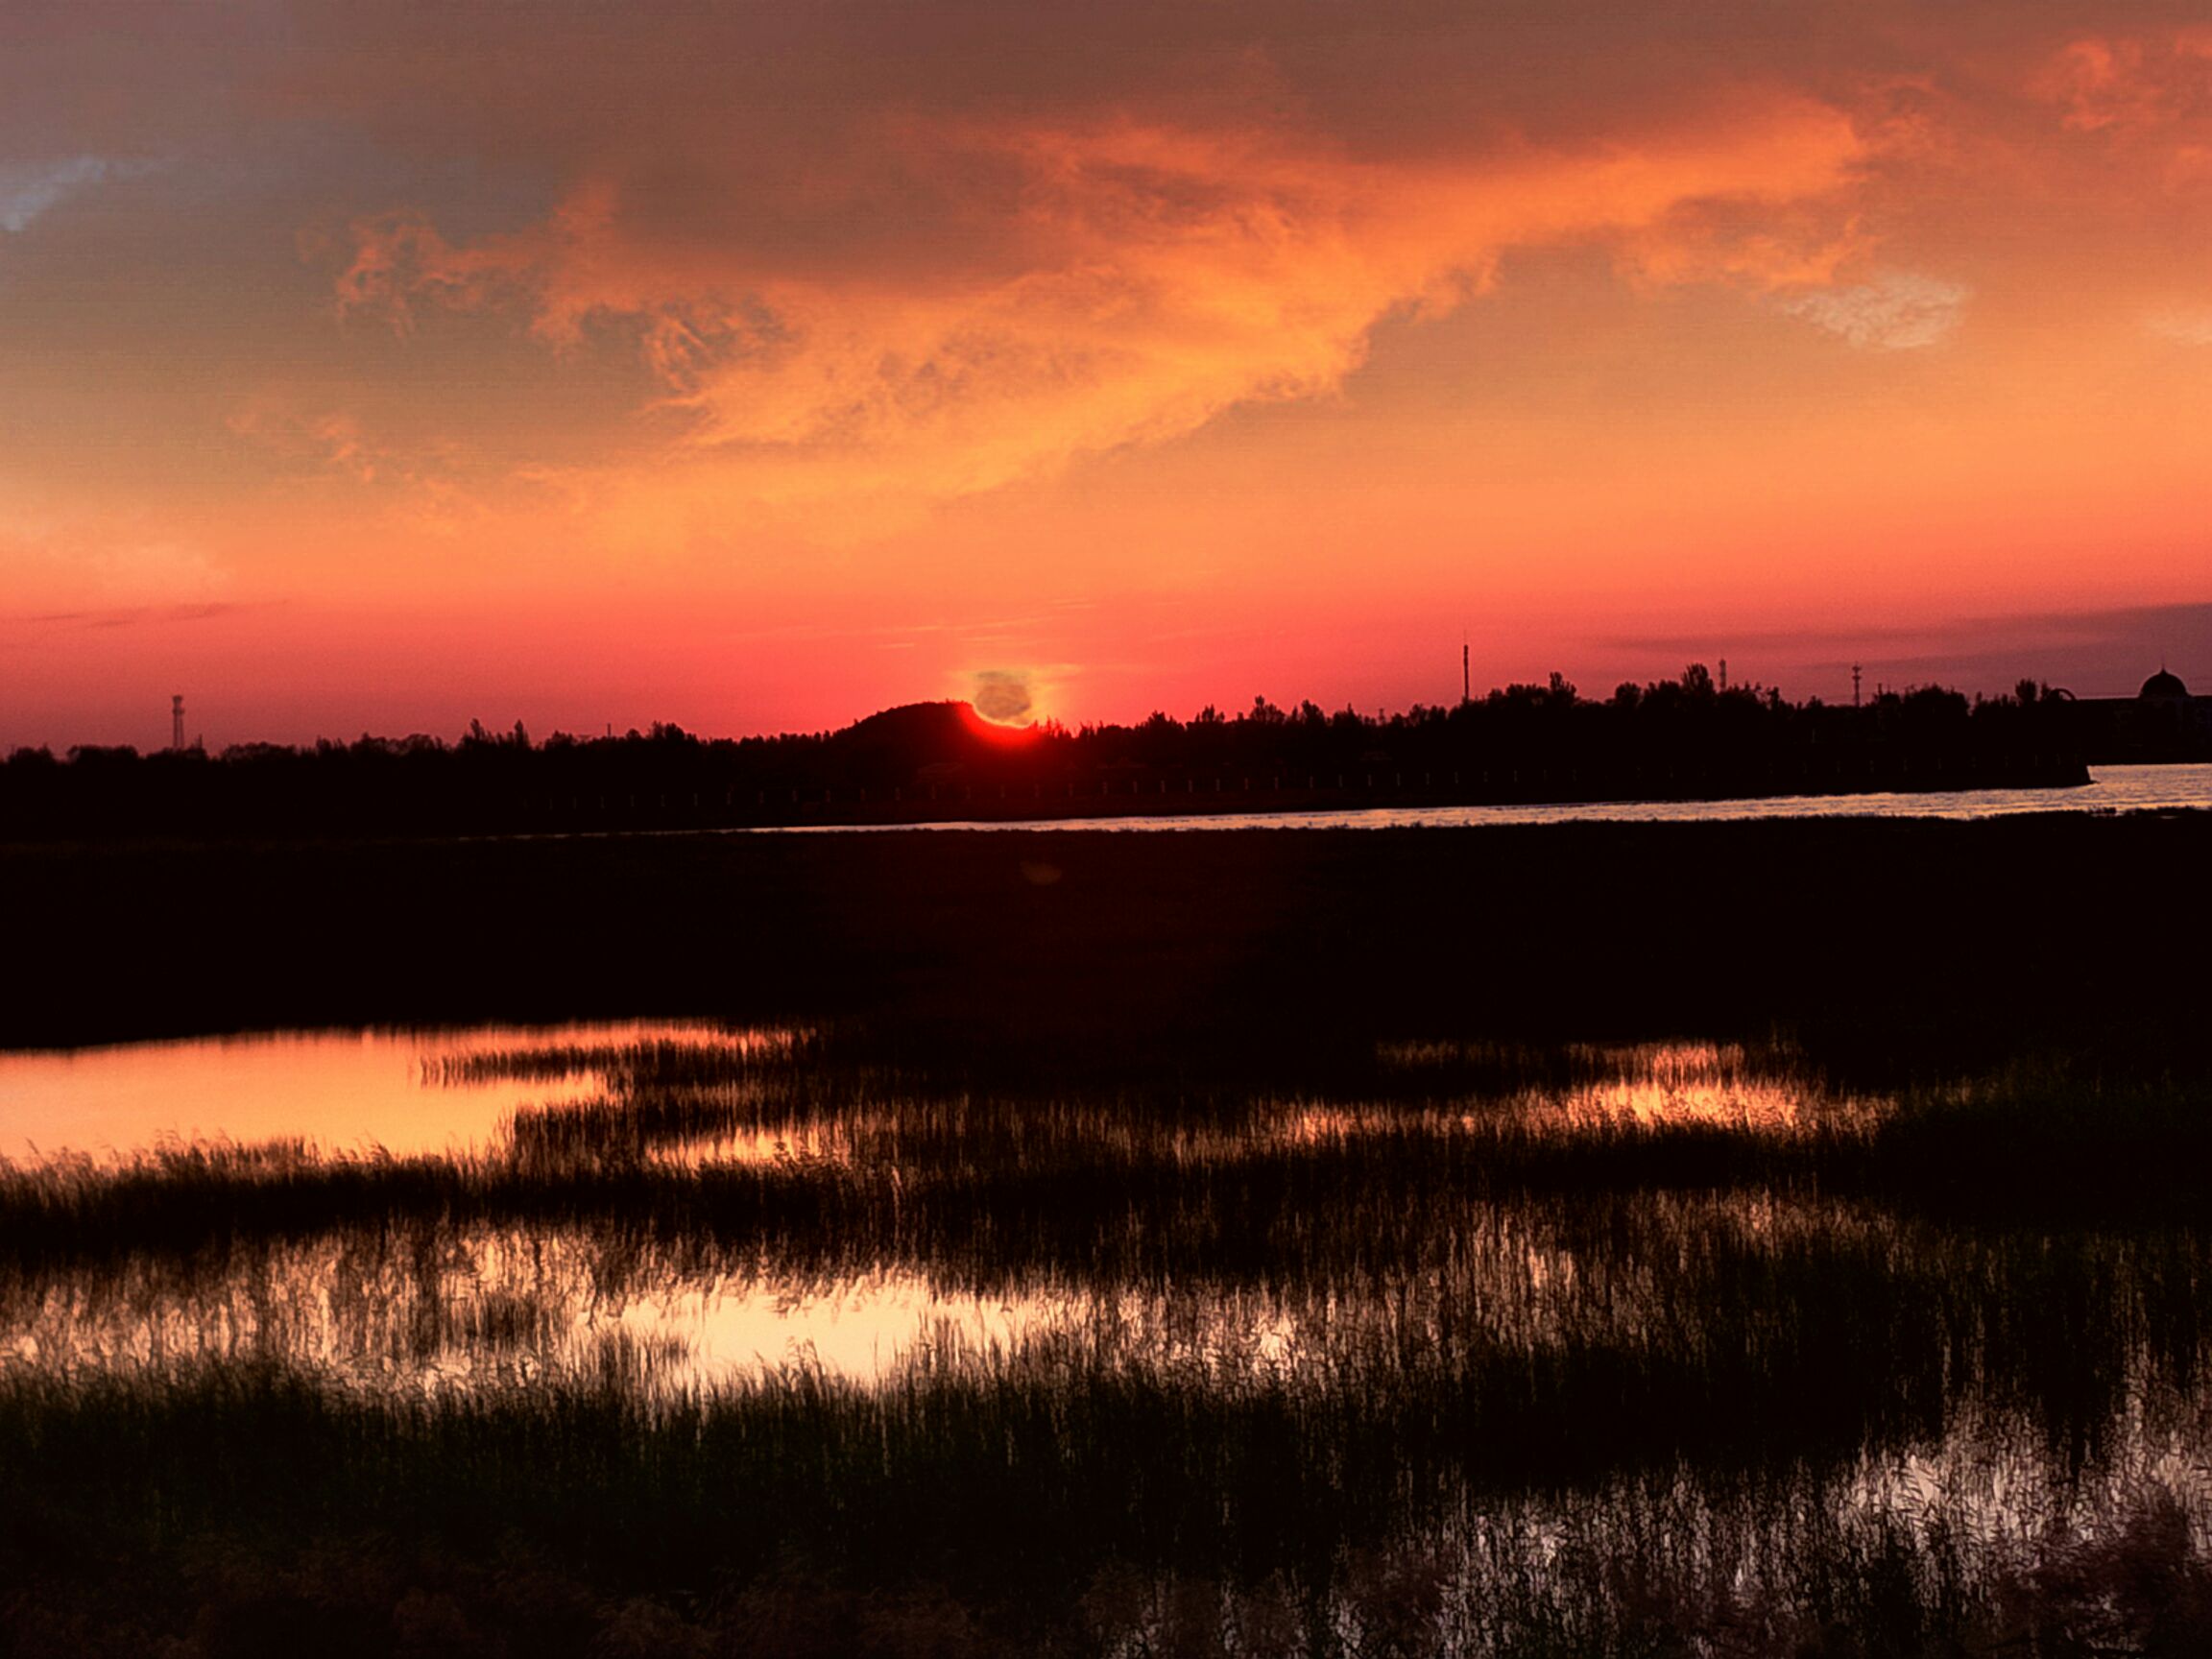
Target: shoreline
(1179, 797)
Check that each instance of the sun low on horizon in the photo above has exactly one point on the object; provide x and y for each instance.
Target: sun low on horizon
(378, 368)
(1007, 703)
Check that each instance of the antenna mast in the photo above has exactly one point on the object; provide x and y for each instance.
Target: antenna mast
(176, 722)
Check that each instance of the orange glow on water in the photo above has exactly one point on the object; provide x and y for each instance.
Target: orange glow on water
(406, 1092)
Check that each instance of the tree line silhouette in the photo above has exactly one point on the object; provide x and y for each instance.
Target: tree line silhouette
(1681, 738)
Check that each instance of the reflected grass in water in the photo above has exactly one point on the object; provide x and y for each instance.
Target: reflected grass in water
(869, 1161)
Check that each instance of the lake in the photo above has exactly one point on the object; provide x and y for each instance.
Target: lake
(2111, 789)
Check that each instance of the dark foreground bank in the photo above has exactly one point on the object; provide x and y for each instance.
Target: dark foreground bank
(1101, 951)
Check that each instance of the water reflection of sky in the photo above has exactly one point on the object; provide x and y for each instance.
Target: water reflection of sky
(433, 1091)
(408, 1309)
(414, 1303)
(492, 1306)
(337, 1089)
(2111, 789)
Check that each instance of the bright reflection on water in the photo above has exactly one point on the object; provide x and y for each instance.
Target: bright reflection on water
(1661, 1084)
(460, 1308)
(414, 1303)
(2111, 789)
(404, 1091)
(437, 1307)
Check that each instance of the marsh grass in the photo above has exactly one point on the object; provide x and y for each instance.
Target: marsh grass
(1008, 1498)
(1608, 1349)
(820, 1140)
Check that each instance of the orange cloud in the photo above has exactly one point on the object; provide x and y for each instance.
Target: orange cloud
(2130, 83)
(1128, 283)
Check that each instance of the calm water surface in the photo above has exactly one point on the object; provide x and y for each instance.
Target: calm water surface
(406, 1091)
(547, 1302)
(2111, 789)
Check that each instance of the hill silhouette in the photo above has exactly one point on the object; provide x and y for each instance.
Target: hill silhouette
(913, 737)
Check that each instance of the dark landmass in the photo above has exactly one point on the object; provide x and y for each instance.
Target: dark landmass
(1685, 740)
(1233, 950)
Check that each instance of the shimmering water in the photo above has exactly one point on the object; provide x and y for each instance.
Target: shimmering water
(2111, 789)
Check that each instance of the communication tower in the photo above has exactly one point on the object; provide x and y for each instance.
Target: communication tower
(176, 722)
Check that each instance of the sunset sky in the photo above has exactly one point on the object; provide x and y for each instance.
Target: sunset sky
(376, 365)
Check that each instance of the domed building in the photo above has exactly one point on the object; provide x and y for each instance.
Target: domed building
(2162, 722)
(2163, 687)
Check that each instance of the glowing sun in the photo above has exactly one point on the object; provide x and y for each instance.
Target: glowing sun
(1004, 697)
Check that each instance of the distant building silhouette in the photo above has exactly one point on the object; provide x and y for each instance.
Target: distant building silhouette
(2163, 688)
(2161, 722)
